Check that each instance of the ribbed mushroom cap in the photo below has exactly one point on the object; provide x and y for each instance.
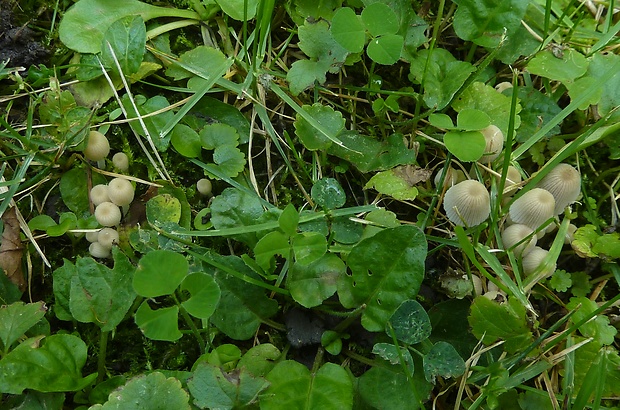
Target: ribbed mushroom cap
(99, 194)
(564, 183)
(494, 143)
(108, 214)
(533, 208)
(107, 237)
(92, 236)
(515, 234)
(120, 191)
(98, 146)
(467, 203)
(98, 251)
(121, 161)
(534, 259)
(513, 177)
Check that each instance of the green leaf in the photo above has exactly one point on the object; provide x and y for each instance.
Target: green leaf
(294, 387)
(41, 223)
(368, 154)
(217, 135)
(163, 208)
(390, 353)
(96, 293)
(308, 247)
(384, 388)
(326, 55)
(159, 273)
(538, 110)
(467, 146)
(485, 98)
(17, 318)
(67, 221)
(610, 97)
(154, 123)
(472, 120)
(159, 324)
(260, 359)
(346, 231)
(127, 37)
(379, 19)
(240, 10)
(445, 75)
(152, 391)
(328, 193)
(570, 66)
(449, 321)
(379, 220)
(235, 208)
(83, 25)
(595, 355)
(491, 321)
(485, 21)
(387, 269)
(410, 322)
(46, 364)
(274, 243)
(205, 294)
(327, 117)
(204, 58)
(396, 183)
(385, 49)
(560, 281)
(186, 141)
(288, 220)
(214, 389)
(74, 190)
(243, 306)
(312, 284)
(598, 328)
(443, 360)
(348, 30)
(439, 120)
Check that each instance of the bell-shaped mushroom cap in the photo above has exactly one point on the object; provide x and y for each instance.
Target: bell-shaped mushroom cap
(98, 146)
(513, 177)
(494, 143)
(564, 183)
(107, 237)
(533, 208)
(516, 233)
(533, 260)
(204, 186)
(453, 176)
(467, 203)
(98, 251)
(108, 214)
(99, 194)
(120, 191)
(121, 161)
(92, 236)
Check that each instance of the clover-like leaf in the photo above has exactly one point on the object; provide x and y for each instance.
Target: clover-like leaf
(151, 391)
(385, 49)
(390, 353)
(379, 19)
(205, 294)
(159, 273)
(159, 324)
(467, 146)
(443, 360)
(186, 141)
(328, 193)
(348, 30)
(410, 322)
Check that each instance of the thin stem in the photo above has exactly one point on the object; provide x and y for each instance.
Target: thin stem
(191, 325)
(103, 347)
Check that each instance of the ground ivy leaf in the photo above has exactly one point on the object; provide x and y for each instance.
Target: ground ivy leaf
(538, 110)
(37, 363)
(159, 324)
(443, 360)
(328, 193)
(186, 141)
(387, 269)
(326, 55)
(17, 318)
(230, 160)
(385, 49)
(310, 285)
(485, 98)
(491, 321)
(599, 328)
(570, 66)
(485, 21)
(348, 30)
(444, 77)
(367, 154)
(327, 117)
(294, 387)
(217, 135)
(151, 391)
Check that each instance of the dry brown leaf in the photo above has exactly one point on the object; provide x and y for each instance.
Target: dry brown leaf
(11, 249)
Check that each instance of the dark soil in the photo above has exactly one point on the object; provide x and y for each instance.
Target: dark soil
(19, 44)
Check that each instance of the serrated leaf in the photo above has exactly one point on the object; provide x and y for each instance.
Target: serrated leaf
(327, 117)
(310, 285)
(37, 363)
(390, 353)
(387, 269)
(348, 30)
(538, 110)
(491, 321)
(485, 21)
(598, 328)
(385, 49)
(294, 387)
(467, 146)
(151, 391)
(159, 273)
(410, 322)
(17, 318)
(443, 360)
(159, 324)
(205, 294)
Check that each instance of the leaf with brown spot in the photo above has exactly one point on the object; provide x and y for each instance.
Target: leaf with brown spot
(11, 249)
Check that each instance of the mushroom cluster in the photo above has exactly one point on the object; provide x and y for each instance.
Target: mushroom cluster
(98, 148)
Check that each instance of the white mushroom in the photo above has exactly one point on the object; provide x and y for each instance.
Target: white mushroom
(467, 203)
(108, 214)
(533, 208)
(564, 183)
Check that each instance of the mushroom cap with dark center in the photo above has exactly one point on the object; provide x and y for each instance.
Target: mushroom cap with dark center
(564, 183)
(467, 203)
(533, 208)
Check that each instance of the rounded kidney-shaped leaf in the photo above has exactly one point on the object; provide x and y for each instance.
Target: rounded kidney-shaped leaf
(153, 392)
(160, 324)
(205, 295)
(159, 273)
(411, 323)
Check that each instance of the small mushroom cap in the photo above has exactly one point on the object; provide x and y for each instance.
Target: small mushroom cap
(494, 143)
(452, 177)
(564, 183)
(467, 203)
(533, 208)
(92, 236)
(108, 214)
(516, 233)
(120, 191)
(121, 161)
(513, 177)
(533, 260)
(107, 237)
(99, 194)
(570, 234)
(98, 251)
(98, 146)
(501, 87)
(204, 186)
